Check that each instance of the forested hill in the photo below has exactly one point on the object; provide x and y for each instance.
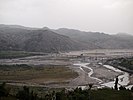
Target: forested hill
(16, 37)
(13, 37)
(99, 40)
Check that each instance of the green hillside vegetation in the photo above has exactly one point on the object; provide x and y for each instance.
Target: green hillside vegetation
(123, 62)
(126, 62)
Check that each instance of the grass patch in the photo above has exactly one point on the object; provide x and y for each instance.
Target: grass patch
(36, 74)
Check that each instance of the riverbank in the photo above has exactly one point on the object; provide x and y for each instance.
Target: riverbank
(83, 77)
(103, 73)
(90, 74)
(100, 75)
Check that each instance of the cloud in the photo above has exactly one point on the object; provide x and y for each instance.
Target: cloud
(91, 15)
(119, 4)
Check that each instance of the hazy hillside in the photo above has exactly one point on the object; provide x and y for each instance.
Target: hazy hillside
(28, 39)
(99, 40)
(16, 37)
(3, 26)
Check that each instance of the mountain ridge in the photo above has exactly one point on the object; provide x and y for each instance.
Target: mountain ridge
(98, 39)
(17, 37)
(38, 40)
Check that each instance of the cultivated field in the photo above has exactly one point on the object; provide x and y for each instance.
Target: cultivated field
(39, 74)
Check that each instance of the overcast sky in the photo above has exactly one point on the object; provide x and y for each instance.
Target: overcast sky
(110, 16)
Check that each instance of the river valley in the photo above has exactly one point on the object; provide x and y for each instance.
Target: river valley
(88, 64)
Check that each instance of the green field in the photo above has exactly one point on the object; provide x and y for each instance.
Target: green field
(40, 74)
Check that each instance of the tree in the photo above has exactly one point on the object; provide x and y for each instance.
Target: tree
(3, 91)
(25, 94)
(132, 88)
(116, 83)
(122, 88)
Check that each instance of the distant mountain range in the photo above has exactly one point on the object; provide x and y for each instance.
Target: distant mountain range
(99, 40)
(36, 40)
(16, 37)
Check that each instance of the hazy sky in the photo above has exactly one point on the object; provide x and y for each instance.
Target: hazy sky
(111, 16)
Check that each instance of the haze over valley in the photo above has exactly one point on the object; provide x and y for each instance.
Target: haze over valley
(66, 50)
(42, 47)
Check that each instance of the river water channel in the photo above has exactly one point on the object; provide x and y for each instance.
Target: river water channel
(123, 78)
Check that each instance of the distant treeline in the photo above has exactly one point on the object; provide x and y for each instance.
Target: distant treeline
(15, 67)
(125, 64)
(16, 54)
